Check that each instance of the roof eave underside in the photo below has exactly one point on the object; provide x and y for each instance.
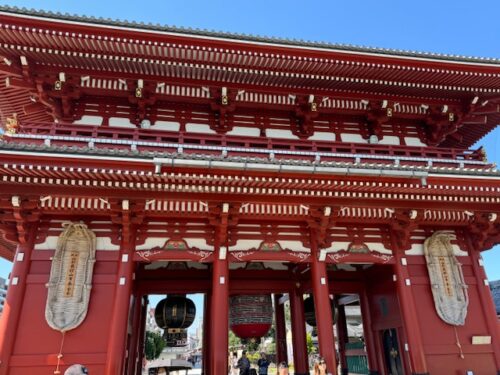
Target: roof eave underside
(412, 75)
(244, 38)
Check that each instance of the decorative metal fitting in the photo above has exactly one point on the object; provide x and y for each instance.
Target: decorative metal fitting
(389, 112)
(138, 92)
(224, 100)
(58, 85)
(451, 117)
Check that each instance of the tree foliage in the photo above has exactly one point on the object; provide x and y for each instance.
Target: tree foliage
(154, 345)
(311, 349)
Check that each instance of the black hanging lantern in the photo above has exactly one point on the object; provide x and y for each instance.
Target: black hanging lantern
(174, 314)
(310, 312)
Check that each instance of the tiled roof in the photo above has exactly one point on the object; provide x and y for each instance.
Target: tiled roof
(244, 37)
(495, 290)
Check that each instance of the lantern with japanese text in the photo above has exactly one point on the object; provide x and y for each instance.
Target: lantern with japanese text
(250, 316)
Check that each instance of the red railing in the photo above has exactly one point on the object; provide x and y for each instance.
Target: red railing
(158, 140)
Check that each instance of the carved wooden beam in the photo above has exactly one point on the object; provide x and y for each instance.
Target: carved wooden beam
(485, 230)
(403, 223)
(305, 112)
(222, 104)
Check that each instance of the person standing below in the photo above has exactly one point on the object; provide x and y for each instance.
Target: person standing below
(263, 364)
(233, 362)
(283, 369)
(320, 367)
(244, 364)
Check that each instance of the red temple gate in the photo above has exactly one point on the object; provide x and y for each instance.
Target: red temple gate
(193, 157)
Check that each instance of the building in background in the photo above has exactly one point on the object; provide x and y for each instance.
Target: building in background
(495, 291)
(3, 293)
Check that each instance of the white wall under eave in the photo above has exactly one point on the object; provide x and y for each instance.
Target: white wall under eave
(102, 244)
(244, 131)
(372, 246)
(322, 136)
(280, 133)
(166, 126)
(352, 138)
(414, 141)
(121, 122)
(199, 128)
(89, 120)
(389, 140)
(418, 249)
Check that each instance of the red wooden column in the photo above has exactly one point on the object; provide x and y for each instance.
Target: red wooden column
(300, 361)
(119, 320)
(488, 307)
(133, 352)
(206, 334)
(280, 329)
(219, 310)
(343, 338)
(15, 297)
(322, 307)
(418, 363)
(142, 336)
(370, 340)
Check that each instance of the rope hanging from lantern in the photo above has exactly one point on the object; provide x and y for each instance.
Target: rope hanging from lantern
(60, 354)
(457, 343)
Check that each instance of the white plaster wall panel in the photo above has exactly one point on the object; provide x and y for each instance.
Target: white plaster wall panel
(293, 245)
(89, 120)
(243, 245)
(373, 246)
(198, 243)
(352, 138)
(166, 125)
(418, 249)
(121, 122)
(199, 128)
(102, 244)
(278, 133)
(244, 131)
(151, 243)
(414, 141)
(322, 136)
(389, 140)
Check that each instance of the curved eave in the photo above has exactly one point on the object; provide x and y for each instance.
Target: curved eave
(7, 249)
(245, 38)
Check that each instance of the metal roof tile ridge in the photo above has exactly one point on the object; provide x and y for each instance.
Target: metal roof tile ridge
(246, 37)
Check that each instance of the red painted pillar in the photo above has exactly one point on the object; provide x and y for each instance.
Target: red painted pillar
(300, 360)
(280, 330)
(206, 334)
(343, 338)
(488, 307)
(119, 321)
(15, 297)
(142, 336)
(322, 307)
(133, 352)
(370, 340)
(219, 311)
(416, 354)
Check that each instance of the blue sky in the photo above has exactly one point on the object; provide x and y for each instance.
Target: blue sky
(455, 27)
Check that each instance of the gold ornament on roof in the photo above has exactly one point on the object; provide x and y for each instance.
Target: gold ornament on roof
(11, 125)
